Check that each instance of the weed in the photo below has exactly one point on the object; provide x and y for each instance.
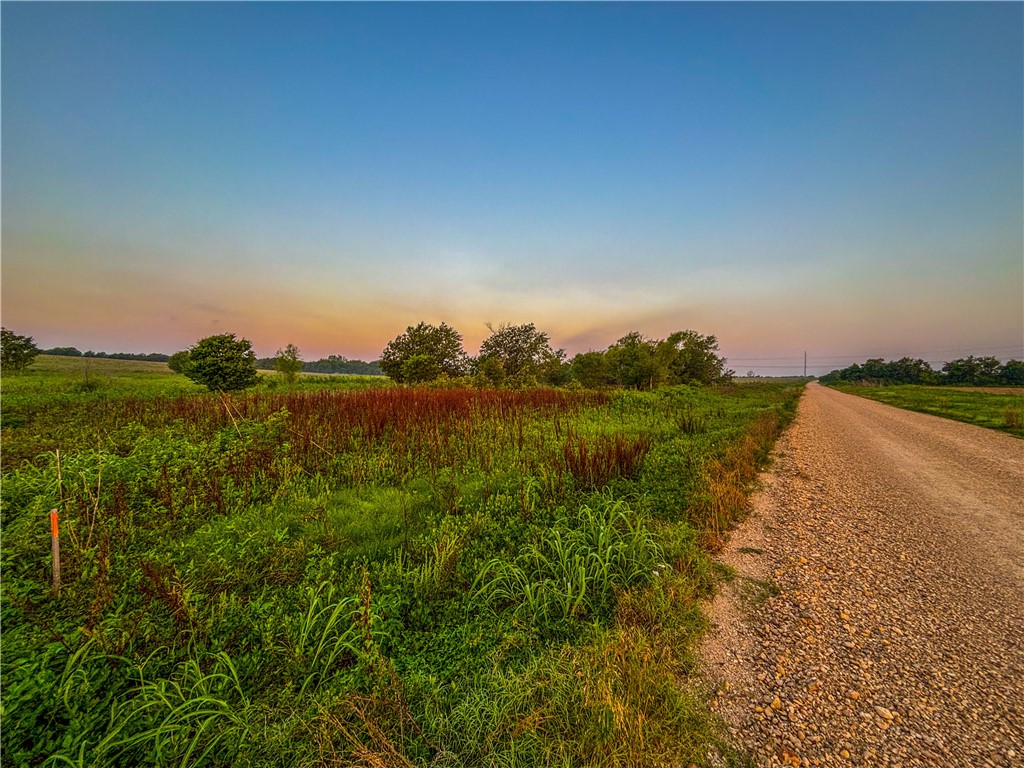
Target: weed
(758, 591)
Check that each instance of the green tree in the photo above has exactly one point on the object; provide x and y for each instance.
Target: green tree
(522, 350)
(973, 370)
(16, 352)
(222, 363)
(178, 361)
(288, 363)
(874, 369)
(554, 369)
(590, 369)
(632, 361)
(908, 370)
(691, 358)
(441, 345)
(1013, 372)
(489, 373)
(420, 369)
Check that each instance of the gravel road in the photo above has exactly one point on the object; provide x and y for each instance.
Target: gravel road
(877, 617)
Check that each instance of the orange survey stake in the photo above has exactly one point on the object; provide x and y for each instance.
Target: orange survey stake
(53, 523)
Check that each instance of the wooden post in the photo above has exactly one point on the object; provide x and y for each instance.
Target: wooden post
(55, 541)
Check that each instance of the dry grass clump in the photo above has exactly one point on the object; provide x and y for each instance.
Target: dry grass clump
(721, 499)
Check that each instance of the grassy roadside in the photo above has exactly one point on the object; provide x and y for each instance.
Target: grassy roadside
(380, 578)
(993, 410)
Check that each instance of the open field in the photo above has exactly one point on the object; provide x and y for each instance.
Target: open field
(391, 576)
(54, 382)
(984, 406)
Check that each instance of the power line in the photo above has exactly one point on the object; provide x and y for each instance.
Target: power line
(797, 360)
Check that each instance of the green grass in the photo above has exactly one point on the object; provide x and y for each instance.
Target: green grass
(54, 383)
(1002, 411)
(386, 576)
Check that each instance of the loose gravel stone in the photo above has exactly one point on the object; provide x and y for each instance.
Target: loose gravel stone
(879, 596)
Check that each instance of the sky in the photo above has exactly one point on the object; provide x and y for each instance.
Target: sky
(842, 179)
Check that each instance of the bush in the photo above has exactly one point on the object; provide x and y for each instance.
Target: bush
(16, 352)
(222, 363)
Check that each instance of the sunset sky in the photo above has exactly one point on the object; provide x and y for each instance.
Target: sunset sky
(845, 179)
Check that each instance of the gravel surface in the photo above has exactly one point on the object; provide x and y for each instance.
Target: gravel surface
(877, 617)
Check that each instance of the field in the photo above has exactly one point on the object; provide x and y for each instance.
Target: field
(363, 576)
(985, 407)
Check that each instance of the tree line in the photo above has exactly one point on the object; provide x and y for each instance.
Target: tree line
(512, 356)
(974, 371)
(521, 356)
(329, 364)
(152, 357)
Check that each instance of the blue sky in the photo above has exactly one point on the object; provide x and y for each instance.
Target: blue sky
(840, 178)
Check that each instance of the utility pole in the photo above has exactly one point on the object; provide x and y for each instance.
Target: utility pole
(805, 364)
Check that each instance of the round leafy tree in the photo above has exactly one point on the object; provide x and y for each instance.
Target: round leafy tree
(222, 363)
(16, 352)
(424, 353)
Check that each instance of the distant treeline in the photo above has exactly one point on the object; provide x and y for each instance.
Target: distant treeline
(330, 364)
(152, 357)
(974, 371)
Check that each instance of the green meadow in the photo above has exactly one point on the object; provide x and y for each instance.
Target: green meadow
(988, 408)
(344, 573)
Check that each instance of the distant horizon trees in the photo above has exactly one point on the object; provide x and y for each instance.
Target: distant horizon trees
(150, 357)
(970, 370)
(329, 364)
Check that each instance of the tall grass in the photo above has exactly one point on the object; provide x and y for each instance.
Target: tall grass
(575, 569)
(192, 718)
(379, 577)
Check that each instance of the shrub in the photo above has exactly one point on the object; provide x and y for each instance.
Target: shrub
(16, 352)
(222, 363)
